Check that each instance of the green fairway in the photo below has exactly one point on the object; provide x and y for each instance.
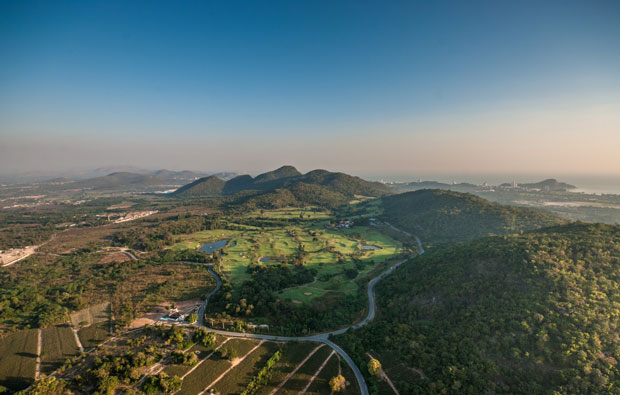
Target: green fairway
(341, 257)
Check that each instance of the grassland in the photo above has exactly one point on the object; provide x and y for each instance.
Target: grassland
(58, 344)
(18, 356)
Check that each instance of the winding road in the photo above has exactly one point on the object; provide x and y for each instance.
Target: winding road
(319, 337)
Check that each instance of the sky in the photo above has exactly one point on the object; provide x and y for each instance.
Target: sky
(367, 87)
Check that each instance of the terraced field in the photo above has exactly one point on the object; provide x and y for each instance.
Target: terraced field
(58, 344)
(18, 357)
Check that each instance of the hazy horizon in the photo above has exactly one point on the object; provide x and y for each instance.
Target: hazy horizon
(405, 88)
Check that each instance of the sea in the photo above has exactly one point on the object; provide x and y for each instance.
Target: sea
(595, 184)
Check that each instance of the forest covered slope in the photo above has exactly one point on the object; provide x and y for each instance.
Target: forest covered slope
(532, 313)
(440, 217)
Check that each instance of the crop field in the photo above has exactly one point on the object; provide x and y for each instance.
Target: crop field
(203, 352)
(299, 380)
(237, 379)
(320, 385)
(292, 354)
(18, 357)
(91, 315)
(58, 344)
(212, 368)
(93, 335)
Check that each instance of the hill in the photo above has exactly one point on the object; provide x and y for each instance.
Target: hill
(120, 179)
(531, 314)
(316, 187)
(550, 185)
(207, 186)
(440, 216)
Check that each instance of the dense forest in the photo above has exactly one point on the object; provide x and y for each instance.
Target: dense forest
(531, 313)
(440, 217)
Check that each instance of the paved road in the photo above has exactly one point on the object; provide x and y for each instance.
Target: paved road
(320, 337)
(218, 284)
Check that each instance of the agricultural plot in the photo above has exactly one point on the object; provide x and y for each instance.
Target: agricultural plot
(93, 335)
(237, 379)
(18, 357)
(91, 315)
(201, 351)
(299, 380)
(210, 369)
(292, 355)
(58, 344)
(320, 385)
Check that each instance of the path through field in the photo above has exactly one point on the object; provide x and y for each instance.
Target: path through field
(318, 371)
(385, 377)
(37, 372)
(296, 369)
(234, 363)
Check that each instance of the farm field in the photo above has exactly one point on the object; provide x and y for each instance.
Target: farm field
(320, 385)
(299, 380)
(91, 336)
(18, 356)
(91, 315)
(58, 344)
(237, 379)
(292, 354)
(212, 368)
(181, 370)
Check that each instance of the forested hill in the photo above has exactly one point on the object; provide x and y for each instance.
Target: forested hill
(440, 217)
(288, 184)
(207, 186)
(536, 313)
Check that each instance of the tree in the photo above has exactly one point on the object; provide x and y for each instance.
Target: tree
(374, 366)
(337, 383)
(192, 318)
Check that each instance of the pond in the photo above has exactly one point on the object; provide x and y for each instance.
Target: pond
(370, 247)
(210, 248)
(265, 259)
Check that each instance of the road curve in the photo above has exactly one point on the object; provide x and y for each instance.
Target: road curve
(320, 337)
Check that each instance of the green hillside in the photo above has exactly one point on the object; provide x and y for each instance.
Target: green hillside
(439, 217)
(530, 314)
(287, 186)
(207, 186)
(120, 179)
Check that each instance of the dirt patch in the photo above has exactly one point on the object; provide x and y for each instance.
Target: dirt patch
(162, 309)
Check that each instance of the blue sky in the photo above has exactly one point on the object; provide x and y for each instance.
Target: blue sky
(249, 85)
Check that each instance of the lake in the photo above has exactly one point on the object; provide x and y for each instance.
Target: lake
(210, 248)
